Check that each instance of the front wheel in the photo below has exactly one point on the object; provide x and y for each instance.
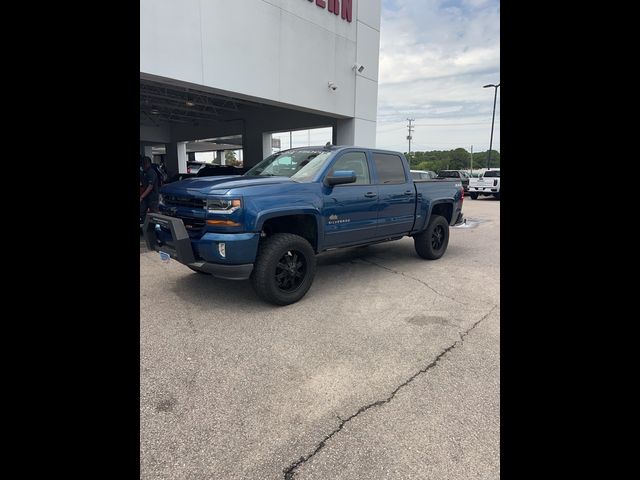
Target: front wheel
(284, 269)
(432, 243)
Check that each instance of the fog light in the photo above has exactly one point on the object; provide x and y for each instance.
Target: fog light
(221, 250)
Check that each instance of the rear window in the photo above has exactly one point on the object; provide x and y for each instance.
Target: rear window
(389, 168)
(448, 174)
(492, 173)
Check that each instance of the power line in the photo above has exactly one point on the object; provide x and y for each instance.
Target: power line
(436, 125)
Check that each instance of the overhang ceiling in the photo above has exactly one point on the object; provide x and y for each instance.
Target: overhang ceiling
(162, 103)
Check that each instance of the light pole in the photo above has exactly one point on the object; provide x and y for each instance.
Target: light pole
(492, 119)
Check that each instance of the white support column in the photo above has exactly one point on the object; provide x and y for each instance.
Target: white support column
(182, 157)
(176, 157)
(346, 130)
(267, 145)
(148, 152)
(220, 157)
(356, 131)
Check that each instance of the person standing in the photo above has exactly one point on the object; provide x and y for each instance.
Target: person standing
(151, 185)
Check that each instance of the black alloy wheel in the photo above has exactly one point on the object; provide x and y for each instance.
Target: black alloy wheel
(290, 271)
(437, 237)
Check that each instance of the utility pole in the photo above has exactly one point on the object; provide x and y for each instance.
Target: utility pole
(495, 96)
(409, 137)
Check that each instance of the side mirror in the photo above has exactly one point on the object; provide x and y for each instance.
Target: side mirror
(339, 177)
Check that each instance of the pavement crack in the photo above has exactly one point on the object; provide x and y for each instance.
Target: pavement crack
(290, 471)
(416, 279)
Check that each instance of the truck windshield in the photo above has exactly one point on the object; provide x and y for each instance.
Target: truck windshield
(299, 165)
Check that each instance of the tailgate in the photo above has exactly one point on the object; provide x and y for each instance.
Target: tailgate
(484, 183)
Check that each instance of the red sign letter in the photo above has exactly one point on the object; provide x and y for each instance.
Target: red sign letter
(321, 3)
(334, 6)
(346, 9)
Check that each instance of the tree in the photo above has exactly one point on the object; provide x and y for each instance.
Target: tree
(230, 158)
(459, 159)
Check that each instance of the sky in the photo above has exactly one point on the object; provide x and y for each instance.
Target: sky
(435, 56)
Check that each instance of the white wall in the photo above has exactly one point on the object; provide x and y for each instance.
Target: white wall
(284, 51)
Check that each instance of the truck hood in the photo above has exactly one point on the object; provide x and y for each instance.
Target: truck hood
(221, 184)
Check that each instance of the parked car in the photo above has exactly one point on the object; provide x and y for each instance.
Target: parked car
(458, 174)
(194, 167)
(487, 184)
(269, 224)
(423, 174)
(179, 176)
(217, 170)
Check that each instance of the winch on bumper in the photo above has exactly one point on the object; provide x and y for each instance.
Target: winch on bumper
(203, 254)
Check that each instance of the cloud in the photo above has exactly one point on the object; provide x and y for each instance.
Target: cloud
(435, 56)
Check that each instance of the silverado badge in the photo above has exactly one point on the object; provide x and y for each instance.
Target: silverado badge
(333, 219)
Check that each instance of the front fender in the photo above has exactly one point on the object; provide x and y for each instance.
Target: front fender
(265, 215)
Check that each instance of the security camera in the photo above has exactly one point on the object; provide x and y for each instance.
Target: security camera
(358, 67)
(333, 86)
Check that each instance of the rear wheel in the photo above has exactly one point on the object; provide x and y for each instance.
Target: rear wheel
(432, 243)
(473, 196)
(284, 269)
(497, 195)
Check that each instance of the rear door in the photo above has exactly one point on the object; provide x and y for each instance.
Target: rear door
(397, 195)
(350, 211)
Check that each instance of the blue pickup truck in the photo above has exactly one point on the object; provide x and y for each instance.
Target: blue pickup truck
(268, 224)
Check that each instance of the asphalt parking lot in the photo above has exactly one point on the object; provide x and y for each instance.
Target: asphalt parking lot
(388, 368)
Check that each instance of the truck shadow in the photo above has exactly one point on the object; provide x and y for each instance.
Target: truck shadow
(210, 292)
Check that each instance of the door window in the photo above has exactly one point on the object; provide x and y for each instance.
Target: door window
(356, 161)
(389, 168)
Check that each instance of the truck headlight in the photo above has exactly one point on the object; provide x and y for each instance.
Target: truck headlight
(223, 206)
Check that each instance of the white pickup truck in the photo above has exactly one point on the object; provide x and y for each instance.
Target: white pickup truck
(487, 184)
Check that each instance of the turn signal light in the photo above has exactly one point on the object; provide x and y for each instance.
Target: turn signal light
(223, 223)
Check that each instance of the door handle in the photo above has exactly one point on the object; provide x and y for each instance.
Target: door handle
(408, 192)
(370, 194)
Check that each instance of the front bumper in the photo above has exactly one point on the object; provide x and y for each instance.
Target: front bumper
(181, 249)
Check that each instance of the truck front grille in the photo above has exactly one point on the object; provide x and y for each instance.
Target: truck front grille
(189, 202)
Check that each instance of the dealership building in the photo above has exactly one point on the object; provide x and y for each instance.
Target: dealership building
(220, 75)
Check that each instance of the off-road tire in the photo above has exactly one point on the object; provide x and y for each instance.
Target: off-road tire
(284, 268)
(432, 243)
